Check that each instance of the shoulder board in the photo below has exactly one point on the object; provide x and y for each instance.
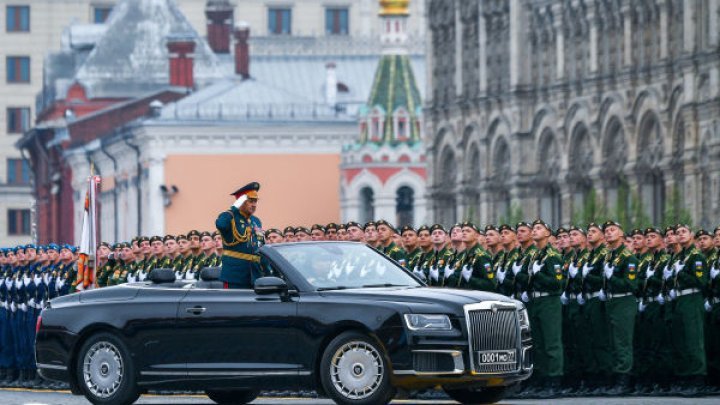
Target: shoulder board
(694, 251)
(625, 253)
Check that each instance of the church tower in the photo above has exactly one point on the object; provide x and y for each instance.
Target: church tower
(383, 172)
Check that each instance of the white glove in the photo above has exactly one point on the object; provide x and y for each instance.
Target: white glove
(448, 271)
(586, 270)
(501, 275)
(608, 271)
(580, 299)
(434, 273)
(660, 299)
(467, 273)
(524, 297)
(60, 284)
(178, 276)
(678, 267)
(419, 273)
(667, 273)
(31, 303)
(13, 307)
(5, 305)
(572, 270)
(673, 294)
(23, 307)
(37, 279)
(189, 275)
(602, 295)
(708, 306)
(714, 272)
(649, 272)
(516, 268)
(536, 267)
(564, 299)
(42, 304)
(239, 202)
(641, 307)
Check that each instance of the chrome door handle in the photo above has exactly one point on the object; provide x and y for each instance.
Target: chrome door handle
(195, 310)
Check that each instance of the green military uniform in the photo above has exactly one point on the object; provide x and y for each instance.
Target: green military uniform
(396, 253)
(544, 286)
(435, 265)
(713, 322)
(575, 342)
(687, 284)
(414, 259)
(474, 270)
(598, 361)
(103, 274)
(504, 274)
(520, 269)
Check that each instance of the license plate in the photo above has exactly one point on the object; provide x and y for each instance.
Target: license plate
(496, 357)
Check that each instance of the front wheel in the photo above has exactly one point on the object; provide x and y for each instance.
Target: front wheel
(105, 372)
(354, 371)
(240, 397)
(487, 395)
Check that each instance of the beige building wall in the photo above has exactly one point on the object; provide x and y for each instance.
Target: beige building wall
(293, 189)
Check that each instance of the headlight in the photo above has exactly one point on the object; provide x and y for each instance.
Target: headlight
(426, 322)
(523, 318)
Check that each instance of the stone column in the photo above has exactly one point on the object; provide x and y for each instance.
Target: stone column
(592, 19)
(154, 209)
(557, 10)
(518, 26)
(482, 51)
(627, 34)
(714, 26)
(689, 26)
(664, 29)
(458, 50)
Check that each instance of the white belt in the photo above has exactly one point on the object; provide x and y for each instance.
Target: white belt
(571, 296)
(651, 299)
(715, 300)
(539, 294)
(619, 295)
(687, 291)
(594, 295)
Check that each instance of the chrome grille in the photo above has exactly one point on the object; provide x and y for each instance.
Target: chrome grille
(491, 330)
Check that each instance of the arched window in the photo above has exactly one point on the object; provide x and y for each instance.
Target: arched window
(405, 206)
(614, 158)
(652, 183)
(446, 210)
(376, 121)
(367, 205)
(579, 171)
(550, 199)
(402, 125)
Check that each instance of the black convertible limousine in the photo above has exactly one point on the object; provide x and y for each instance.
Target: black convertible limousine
(336, 317)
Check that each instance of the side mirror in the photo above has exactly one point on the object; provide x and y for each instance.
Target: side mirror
(270, 285)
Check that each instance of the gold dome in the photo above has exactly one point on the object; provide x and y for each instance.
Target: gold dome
(394, 7)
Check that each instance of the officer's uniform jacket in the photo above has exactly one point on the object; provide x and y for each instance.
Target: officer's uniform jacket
(625, 268)
(435, 265)
(573, 285)
(396, 253)
(593, 281)
(550, 277)
(509, 258)
(475, 271)
(695, 274)
(522, 278)
(242, 237)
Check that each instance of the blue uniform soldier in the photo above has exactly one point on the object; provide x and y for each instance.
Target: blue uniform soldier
(242, 236)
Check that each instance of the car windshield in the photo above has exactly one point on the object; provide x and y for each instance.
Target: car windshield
(337, 266)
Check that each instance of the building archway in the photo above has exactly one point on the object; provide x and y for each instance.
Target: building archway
(550, 199)
(367, 205)
(446, 210)
(404, 206)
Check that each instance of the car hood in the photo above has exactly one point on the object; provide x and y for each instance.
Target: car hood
(422, 299)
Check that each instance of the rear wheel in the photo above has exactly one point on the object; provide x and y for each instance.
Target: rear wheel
(354, 371)
(239, 397)
(105, 372)
(487, 395)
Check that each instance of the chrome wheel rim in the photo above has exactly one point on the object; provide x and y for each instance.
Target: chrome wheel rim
(356, 370)
(103, 369)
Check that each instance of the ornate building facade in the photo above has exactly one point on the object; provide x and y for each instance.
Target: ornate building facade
(534, 104)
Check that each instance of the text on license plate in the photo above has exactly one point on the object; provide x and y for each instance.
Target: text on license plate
(496, 356)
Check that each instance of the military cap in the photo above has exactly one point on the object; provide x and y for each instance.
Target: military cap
(302, 229)
(608, 224)
(669, 228)
(454, 226)
(371, 223)
(215, 233)
(437, 227)
(318, 227)
(156, 238)
(543, 223)
(341, 226)
(71, 248)
(143, 239)
(522, 224)
(717, 228)
(272, 230)
(181, 237)
(506, 227)
(19, 248)
(289, 230)
(123, 245)
(468, 224)
(332, 225)
(686, 226)
(117, 245)
(30, 246)
(107, 245)
(250, 189)
(702, 232)
(423, 228)
(193, 233)
(653, 230)
(169, 237)
(491, 227)
(353, 224)
(628, 235)
(561, 230)
(593, 225)
(407, 228)
(41, 248)
(204, 234)
(384, 222)
(636, 231)
(134, 239)
(577, 229)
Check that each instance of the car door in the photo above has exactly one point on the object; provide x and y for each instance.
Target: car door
(238, 336)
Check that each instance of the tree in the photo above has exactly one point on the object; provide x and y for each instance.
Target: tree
(592, 210)
(675, 211)
(513, 216)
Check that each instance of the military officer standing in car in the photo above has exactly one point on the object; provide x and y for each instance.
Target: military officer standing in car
(241, 232)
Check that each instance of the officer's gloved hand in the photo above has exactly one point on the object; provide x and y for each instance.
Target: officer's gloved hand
(678, 267)
(580, 299)
(500, 275)
(448, 271)
(586, 270)
(608, 271)
(239, 202)
(572, 270)
(564, 299)
(708, 306)
(536, 267)
(660, 299)
(467, 273)
(672, 294)
(667, 273)
(714, 272)
(516, 268)
(649, 272)
(524, 297)
(641, 307)
(602, 295)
